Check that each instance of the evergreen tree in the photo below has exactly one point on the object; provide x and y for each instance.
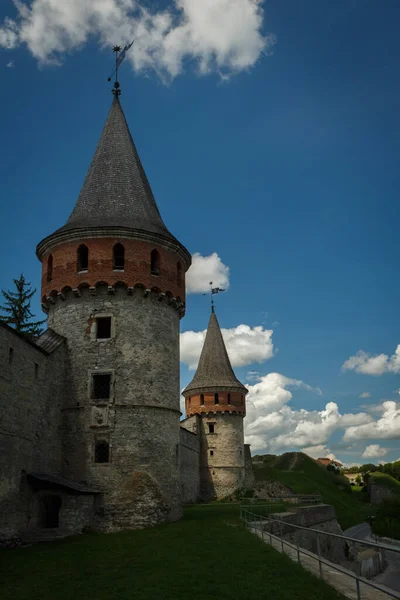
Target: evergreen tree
(17, 309)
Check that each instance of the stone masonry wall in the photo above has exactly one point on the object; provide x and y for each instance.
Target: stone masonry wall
(189, 465)
(139, 420)
(31, 395)
(222, 463)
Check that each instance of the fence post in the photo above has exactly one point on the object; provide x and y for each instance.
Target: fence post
(281, 530)
(358, 589)
(319, 557)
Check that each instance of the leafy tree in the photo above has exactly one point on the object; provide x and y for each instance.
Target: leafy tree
(17, 309)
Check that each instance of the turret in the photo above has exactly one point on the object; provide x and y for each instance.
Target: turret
(113, 284)
(219, 398)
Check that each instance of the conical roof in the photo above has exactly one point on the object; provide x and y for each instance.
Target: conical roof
(116, 191)
(214, 369)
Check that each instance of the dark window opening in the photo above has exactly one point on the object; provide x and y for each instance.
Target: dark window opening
(155, 262)
(49, 511)
(83, 258)
(229, 398)
(211, 428)
(36, 370)
(201, 399)
(211, 452)
(118, 257)
(189, 401)
(102, 452)
(103, 328)
(50, 268)
(179, 273)
(101, 386)
(10, 356)
(216, 398)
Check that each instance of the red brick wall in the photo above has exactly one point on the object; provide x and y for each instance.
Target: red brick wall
(136, 268)
(193, 403)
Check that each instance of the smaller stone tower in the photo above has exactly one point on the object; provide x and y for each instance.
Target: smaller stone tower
(218, 397)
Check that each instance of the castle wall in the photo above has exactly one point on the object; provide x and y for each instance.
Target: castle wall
(31, 393)
(248, 466)
(190, 466)
(222, 462)
(139, 420)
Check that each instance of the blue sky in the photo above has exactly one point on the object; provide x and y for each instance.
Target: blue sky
(277, 152)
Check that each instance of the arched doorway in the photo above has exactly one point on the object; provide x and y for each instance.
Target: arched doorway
(49, 511)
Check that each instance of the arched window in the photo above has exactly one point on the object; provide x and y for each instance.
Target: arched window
(216, 398)
(229, 398)
(179, 273)
(118, 257)
(83, 258)
(155, 262)
(50, 268)
(102, 452)
(201, 399)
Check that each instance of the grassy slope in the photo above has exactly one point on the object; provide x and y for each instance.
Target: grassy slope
(206, 555)
(386, 480)
(308, 477)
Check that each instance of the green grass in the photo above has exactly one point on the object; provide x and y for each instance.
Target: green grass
(309, 477)
(386, 480)
(207, 555)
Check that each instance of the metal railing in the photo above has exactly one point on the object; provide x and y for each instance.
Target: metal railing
(253, 520)
(292, 499)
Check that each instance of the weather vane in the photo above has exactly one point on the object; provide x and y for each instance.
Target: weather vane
(213, 291)
(119, 57)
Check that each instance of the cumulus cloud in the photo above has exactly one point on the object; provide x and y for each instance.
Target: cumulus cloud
(274, 426)
(374, 451)
(319, 451)
(245, 345)
(365, 395)
(385, 428)
(219, 35)
(364, 363)
(205, 269)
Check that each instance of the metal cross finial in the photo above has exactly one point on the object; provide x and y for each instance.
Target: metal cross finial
(213, 291)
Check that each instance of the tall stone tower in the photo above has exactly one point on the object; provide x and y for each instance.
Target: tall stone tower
(113, 284)
(218, 397)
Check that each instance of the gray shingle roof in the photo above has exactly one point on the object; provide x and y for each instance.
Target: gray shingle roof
(116, 191)
(49, 340)
(214, 369)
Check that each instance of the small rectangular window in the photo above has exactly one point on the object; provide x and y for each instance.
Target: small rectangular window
(36, 370)
(211, 428)
(101, 386)
(102, 452)
(211, 452)
(10, 355)
(103, 328)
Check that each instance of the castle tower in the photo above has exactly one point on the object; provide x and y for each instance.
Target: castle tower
(218, 397)
(113, 284)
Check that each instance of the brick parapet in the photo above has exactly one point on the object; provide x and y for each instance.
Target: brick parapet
(136, 272)
(204, 403)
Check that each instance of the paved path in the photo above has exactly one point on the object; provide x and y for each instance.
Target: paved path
(391, 575)
(343, 582)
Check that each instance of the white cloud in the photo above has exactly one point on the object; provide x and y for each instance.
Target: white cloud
(319, 451)
(245, 345)
(364, 363)
(365, 395)
(385, 428)
(10, 65)
(374, 451)
(219, 35)
(205, 269)
(273, 426)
